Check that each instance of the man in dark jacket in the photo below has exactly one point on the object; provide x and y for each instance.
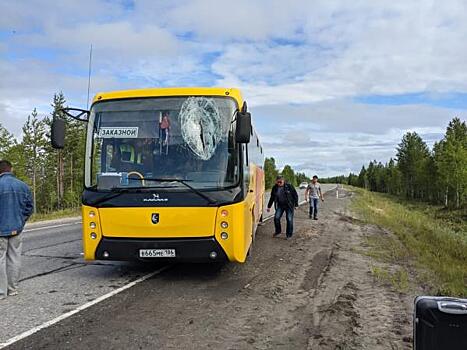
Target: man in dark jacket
(15, 208)
(285, 199)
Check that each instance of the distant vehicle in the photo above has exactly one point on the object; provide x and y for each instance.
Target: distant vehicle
(303, 185)
(171, 173)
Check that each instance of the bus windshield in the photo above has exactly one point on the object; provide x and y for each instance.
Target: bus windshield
(188, 138)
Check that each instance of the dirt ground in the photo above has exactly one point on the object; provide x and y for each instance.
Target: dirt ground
(315, 291)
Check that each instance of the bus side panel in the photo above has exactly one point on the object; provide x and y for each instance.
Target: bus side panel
(237, 243)
(240, 219)
(259, 192)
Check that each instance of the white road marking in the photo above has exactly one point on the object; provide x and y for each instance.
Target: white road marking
(53, 226)
(80, 308)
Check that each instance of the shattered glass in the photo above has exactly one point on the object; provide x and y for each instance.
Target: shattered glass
(202, 126)
(188, 138)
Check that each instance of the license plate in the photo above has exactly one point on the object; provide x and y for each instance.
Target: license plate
(157, 253)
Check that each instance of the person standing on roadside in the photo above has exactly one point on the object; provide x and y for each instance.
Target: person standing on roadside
(285, 199)
(312, 194)
(15, 209)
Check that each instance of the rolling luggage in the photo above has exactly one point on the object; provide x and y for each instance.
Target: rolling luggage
(440, 323)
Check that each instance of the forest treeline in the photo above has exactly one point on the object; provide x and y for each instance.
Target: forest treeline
(437, 176)
(55, 176)
(271, 172)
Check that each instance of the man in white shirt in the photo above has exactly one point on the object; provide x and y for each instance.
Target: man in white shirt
(312, 194)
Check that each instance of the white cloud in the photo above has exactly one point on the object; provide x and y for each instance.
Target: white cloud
(302, 61)
(238, 20)
(358, 48)
(349, 117)
(339, 136)
(31, 15)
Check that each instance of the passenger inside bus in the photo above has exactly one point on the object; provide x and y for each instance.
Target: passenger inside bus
(130, 156)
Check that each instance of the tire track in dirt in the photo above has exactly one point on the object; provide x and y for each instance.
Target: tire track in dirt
(350, 309)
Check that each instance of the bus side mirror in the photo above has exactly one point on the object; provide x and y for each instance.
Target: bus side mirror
(58, 133)
(243, 131)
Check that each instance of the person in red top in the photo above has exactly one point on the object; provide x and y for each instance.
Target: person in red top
(164, 126)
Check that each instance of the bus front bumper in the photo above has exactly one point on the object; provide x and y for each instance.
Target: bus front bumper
(205, 249)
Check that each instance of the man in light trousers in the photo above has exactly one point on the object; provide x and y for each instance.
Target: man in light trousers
(15, 208)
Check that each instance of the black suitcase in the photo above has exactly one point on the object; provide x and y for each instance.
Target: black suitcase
(440, 323)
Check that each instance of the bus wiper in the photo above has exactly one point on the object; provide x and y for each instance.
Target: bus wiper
(117, 191)
(184, 182)
(114, 192)
(111, 195)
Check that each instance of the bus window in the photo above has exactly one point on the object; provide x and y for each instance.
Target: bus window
(199, 140)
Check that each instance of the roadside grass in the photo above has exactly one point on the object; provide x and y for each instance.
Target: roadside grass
(435, 243)
(59, 214)
(394, 258)
(399, 278)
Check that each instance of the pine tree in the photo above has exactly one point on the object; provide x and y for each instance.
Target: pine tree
(49, 197)
(362, 178)
(393, 178)
(352, 179)
(57, 104)
(34, 148)
(74, 161)
(371, 176)
(413, 159)
(7, 141)
(301, 177)
(450, 159)
(270, 172)
(289, 175)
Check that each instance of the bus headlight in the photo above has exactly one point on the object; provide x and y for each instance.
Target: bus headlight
(92, 214)
(92, 225)
(224, 224)
(224, 213)
(224, 235)
(93, 235)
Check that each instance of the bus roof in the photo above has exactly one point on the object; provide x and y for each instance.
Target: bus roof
(172, 91)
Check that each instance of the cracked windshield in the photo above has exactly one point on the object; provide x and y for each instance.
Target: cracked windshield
(157, 142)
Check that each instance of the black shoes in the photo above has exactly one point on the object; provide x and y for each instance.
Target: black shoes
(276, 234)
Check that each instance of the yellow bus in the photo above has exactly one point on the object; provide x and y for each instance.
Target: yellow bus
(170, 174)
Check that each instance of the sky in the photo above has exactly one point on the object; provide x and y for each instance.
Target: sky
(331, 84)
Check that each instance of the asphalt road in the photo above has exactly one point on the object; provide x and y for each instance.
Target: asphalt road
(55, 279)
